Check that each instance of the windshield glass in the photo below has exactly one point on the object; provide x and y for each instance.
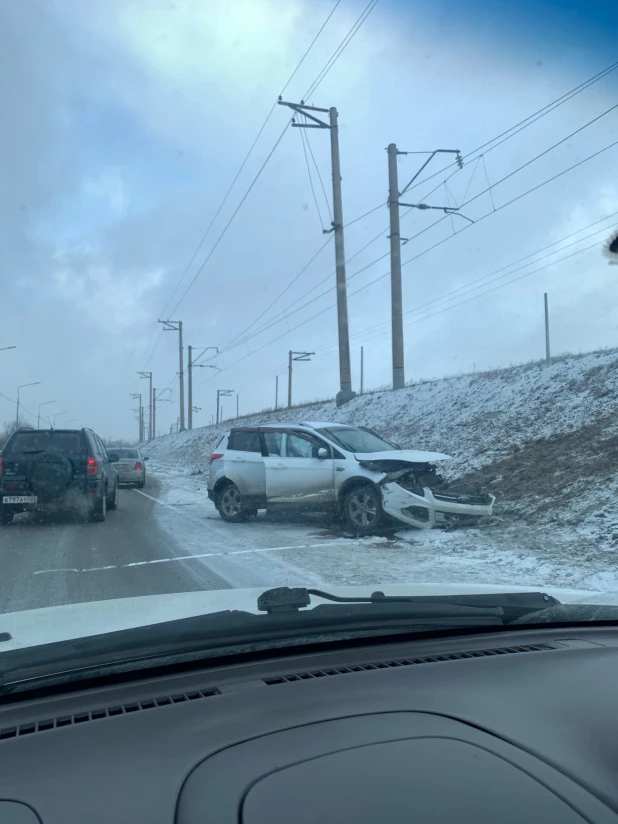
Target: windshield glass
(357, 440)
(70, 442)
(247, 246)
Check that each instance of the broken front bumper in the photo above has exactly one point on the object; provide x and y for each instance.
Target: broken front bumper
(433, 509)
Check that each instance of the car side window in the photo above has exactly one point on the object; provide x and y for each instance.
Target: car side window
(299, 446)
(245, 442)
(273, 443)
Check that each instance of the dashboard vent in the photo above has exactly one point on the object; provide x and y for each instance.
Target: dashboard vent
(105, 712)
(406, 662)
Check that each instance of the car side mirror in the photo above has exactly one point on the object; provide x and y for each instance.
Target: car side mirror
(146, 458)
(322, 452)
(114, 457)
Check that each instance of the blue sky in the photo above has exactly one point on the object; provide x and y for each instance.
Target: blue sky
(130, 119)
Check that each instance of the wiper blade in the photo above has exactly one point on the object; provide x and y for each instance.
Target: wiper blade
(514, 604)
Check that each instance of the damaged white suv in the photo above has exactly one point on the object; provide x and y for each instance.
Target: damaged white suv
(349, 469)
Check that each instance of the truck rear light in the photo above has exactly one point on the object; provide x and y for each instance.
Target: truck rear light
(138, 467)
(215, 456)
(92, 466)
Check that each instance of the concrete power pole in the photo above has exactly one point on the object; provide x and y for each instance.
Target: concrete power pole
(295, 356)
(345, 393)
(149, 376)
(399, 380)
(362, 371)
(221, 393)
(176, 326)
(276, 392)
(138, 397)
(547, 348)
(191, 362)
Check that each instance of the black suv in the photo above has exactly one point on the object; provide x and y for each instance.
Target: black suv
(55, 470)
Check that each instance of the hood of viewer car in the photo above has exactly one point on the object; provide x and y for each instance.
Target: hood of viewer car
(60, 623)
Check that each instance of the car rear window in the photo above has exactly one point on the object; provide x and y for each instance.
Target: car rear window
(126, 453)
(71, 443)
(244, 442)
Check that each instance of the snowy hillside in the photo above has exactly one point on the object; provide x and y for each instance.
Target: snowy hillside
(542, 437)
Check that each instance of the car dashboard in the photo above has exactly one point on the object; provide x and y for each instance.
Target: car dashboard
(515, 726)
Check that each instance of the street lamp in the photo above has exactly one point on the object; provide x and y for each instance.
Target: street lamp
(38, 420)
(4, 348)
(22, 386)
(66, 423)
(56, 415)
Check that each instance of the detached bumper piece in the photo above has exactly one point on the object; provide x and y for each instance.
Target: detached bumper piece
(433, 508)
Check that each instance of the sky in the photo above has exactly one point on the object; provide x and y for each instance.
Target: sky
(125, 123)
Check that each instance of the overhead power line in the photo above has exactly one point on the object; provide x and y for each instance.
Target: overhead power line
(479, 156)
(420, 254)
(290, 311)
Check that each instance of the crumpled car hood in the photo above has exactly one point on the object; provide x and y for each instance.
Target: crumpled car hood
(397, 458)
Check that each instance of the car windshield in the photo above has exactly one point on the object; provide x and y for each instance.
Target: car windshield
(309, 294)
(69, 442)
(357, 440)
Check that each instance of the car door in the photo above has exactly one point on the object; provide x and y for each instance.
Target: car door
(109, 470)
(294, 473)
(244, 463)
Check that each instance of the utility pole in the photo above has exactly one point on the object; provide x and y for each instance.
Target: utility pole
(237, 397)
(138, 396)
(149, 376)
(191, 362)
(295, 356)
(176, 326)
(157, 399)
(362, 372)
(399, 379)
(396, 293)
(221, 393)
(276, 392)
(547, 349)
(345, 393)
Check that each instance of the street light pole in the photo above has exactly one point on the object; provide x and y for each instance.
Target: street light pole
(22, 386)
(4, 348)
(38, 420)
(176, 326)
(56, 415)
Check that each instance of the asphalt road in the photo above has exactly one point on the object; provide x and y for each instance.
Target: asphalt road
(50, 559)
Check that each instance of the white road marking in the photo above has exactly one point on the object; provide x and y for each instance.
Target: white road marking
(193, 557)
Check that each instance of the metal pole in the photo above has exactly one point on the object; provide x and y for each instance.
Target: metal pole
(141, 418)
(362, 371)
(276, 392)
(345, 375)
(182, 378)
(218, 390)
(547, 350)
(237, 396)
(154, 412)
(17, 415)
(190, 368)
(396, 293)
(290, 380)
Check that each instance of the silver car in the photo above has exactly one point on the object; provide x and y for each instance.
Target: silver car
(131, 466)
(350, 470)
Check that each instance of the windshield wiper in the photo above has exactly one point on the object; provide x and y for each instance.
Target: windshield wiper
(513, 604)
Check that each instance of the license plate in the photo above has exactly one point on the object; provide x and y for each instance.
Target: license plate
(19, 499)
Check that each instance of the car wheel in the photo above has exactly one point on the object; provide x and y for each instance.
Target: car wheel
(141, 484)
(230, 504)
(6, 515)
(113, 503)
(99, 510)
(362, 510)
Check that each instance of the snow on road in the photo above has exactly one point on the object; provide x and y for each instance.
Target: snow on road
(307, 551)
